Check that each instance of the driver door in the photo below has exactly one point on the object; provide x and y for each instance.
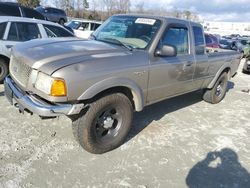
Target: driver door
(170, 76)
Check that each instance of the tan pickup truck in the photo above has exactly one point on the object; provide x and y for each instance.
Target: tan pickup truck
(130, 62)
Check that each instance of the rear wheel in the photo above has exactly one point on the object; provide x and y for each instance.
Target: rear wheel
(4, 70)
(61, 21)
(218, 92)
(105, 125)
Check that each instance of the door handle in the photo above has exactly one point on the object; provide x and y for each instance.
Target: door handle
(187, 65)
(9, 46)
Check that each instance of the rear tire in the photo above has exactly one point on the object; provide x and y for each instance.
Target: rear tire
(4, 69)
(105, 125)
(218, 92)
(61, 21)
(244, 71)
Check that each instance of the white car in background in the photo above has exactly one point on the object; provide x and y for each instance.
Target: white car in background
(83, 28)
(14, 30)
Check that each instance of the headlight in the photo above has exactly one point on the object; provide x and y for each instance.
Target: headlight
(51, 86)
(248, 62)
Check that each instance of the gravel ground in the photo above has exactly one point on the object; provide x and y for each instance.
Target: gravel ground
(181, 142)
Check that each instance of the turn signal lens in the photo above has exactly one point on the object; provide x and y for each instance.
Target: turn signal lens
(58, 88)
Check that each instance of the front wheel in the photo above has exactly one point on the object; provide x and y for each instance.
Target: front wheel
(218, 92)
(105, 125)
(4, 70)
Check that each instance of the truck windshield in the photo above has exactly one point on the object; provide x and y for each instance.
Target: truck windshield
(133, 32)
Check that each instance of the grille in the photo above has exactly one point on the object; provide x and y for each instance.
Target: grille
(19, 71)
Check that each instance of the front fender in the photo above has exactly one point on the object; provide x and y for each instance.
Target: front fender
(109, 83)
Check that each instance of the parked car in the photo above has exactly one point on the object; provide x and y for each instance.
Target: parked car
(246, 67)
(133, 62)
(14, 30)
(83, 28)
(230, 44)
(243, 45)
(211, 41)
(53, 14)
(14, 9)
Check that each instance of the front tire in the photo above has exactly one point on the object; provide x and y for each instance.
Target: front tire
(218, 92)
(4, 69)
(105, 125)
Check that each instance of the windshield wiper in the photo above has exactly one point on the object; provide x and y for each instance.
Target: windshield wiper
(116, 41)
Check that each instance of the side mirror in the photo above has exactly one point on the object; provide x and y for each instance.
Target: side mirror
(166, 51)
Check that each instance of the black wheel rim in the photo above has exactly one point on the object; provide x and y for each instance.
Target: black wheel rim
(107, 124)
(1, 71)
(220, 89)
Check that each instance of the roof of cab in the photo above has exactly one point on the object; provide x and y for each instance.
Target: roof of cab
(24, 19)
(163, 18)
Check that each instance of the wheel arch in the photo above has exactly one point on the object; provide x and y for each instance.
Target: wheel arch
(222, 70)
(116, 85)
(7, 59)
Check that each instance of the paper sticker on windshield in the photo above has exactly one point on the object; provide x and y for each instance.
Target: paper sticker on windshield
(145, 21)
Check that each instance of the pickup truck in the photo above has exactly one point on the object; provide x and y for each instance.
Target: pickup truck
(131, 62)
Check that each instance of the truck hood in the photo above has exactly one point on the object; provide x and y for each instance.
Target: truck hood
(49, 55)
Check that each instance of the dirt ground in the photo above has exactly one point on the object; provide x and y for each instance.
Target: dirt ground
(181, 142)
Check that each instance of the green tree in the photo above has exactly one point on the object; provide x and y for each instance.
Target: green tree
(29, 3)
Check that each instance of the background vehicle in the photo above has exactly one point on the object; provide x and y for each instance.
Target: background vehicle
(14, 30)
(133, 62)
(230, 44)
(53, 14)
(14, 9)
(246, 67)
(211, 41)
(243, 45)
(83, 28)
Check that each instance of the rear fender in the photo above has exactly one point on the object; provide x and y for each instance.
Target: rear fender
(226, 66)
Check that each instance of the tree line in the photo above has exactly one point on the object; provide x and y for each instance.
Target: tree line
(102, 9)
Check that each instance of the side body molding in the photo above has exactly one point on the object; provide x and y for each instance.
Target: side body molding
(109, 83)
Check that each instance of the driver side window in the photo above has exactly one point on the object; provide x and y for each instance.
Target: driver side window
(177, 37)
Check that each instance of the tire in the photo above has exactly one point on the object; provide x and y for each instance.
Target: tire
(245, 71)
(61, 21)
(4, 69)
(218, 92)
(105, 125)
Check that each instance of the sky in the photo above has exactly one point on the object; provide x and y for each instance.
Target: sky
(209, 10)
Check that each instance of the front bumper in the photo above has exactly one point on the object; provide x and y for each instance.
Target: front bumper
(32, 104)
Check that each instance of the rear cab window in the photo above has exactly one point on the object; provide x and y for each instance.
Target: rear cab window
(54, 31)
(199, 40)
(2, 29)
